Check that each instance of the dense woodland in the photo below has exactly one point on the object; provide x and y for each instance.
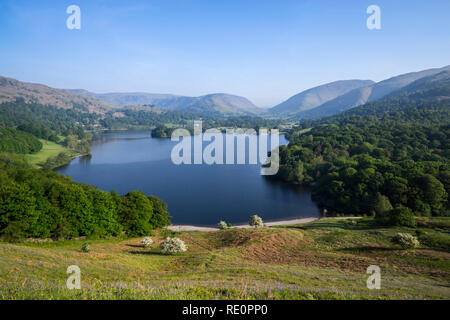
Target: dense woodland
(41, 203)
(389, 154)
(46, 122)
(16, 141)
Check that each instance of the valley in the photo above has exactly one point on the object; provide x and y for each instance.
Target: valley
(378, 152)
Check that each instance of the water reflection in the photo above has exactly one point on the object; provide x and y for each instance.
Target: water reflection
(196, 194)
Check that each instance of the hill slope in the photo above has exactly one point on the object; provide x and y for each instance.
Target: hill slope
(218, 102)
(317, 96)
(370, 93)
(12, 89)
(326, 259)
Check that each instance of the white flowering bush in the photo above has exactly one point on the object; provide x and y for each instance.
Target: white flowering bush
(172, 245)
(406, 240)
(256, 221)
(147, 242)
(222, 225)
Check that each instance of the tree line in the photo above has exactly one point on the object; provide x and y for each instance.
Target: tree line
(392, 154)
(43, 204)
(16, 141)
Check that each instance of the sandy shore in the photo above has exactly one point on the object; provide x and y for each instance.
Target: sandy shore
(267, 224)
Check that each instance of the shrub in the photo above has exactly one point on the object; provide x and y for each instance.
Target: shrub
(441, 241)
(256, 221)
(406, 240)
(222, 225)
(147, 242)
(401, 216)
(172, 245)
(85, 247)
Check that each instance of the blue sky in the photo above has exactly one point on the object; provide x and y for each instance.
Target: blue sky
(263, 50)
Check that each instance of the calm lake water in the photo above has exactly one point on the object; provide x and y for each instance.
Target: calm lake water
(196, 194)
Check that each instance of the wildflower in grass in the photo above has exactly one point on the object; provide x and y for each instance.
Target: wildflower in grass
(256, 221)
(147, 242)
(172, 245)
(85, 247)
(222, 225)
(406, 240)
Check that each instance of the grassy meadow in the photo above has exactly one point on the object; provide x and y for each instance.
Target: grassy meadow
(49, 149)
(325, 259)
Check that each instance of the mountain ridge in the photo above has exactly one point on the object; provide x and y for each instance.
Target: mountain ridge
(316, 96)
(12, 89)
(360, 96)
(214, 102)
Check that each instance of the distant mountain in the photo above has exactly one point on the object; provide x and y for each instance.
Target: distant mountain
(431, 92)
(219, 102)
(370, 93)
(317, 96)
(212, 103)
(11, 90)
(431, 88)
(119, 99)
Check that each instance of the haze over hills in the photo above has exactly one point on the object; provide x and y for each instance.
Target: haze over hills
(11, 89)
(317, 102)
(218, 102)
(432, 88)
(370, 93)
(317, 96)
(120, 99)
(431, 92)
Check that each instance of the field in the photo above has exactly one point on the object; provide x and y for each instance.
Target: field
(325, 259)
(49, 149)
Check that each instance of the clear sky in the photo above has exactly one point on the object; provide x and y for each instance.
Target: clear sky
(265, 50)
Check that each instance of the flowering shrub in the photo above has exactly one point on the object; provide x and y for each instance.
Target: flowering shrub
(147, 242)
(85, 248)
(172, 245)
(256, 221)
(222, 225)
(406, 240)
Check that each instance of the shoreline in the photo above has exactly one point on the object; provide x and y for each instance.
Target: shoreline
(288, 222)
(267, 224)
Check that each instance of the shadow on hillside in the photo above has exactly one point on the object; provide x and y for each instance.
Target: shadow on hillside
(341, 225)
(146, 252)
(135, 245)
(367, 249)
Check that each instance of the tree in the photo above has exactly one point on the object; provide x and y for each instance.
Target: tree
(256, 221)
(136, 214)
(382, 208)
(161, 217)
(401, 216)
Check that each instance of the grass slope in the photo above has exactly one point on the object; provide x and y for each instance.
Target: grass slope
(49, 149)
(325, 259)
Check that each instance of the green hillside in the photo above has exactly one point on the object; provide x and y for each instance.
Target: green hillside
(326, 259)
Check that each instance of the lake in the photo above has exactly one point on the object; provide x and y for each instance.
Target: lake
(198, 194)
